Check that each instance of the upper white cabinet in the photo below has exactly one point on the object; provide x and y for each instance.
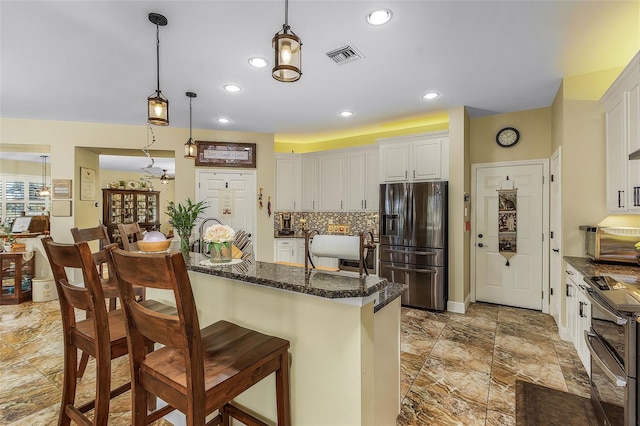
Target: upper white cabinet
(310, 184)
(622, 104)
(331, 181)
(414, 158)
(288, 182)
(361, 185)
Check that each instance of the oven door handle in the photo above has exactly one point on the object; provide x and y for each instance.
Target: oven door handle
(605, 309)
(619, 381)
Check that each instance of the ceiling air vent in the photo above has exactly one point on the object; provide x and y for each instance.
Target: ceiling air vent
(344, 55)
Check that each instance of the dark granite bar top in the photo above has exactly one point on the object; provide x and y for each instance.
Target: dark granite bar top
(588, 267)
(331, 285)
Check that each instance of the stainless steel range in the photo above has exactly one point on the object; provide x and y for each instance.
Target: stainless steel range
(613, 343)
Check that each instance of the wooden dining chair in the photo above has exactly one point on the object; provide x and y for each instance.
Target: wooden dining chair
(130, 233)
(197, 371)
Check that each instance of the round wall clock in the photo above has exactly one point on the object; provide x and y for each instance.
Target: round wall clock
(507, 137)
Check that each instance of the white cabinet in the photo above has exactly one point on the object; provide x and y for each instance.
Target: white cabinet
(414, 158)
(288, 182)
(310, 184)
(361, 183)
(622, 105)
(292, 250)
(578, 314)
(583, 324)
(286, 250)
(331, 182)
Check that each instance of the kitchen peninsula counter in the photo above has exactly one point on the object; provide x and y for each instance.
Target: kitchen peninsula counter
(344, 333)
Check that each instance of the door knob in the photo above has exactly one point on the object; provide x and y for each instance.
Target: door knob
(480, 245)
(480, 235)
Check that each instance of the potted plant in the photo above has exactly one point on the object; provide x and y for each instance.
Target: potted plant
(183, 218)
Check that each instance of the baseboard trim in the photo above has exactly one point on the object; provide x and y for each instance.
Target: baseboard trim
(458, 307)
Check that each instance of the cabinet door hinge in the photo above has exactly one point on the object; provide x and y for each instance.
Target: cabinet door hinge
(543, 180)
(551, 291)
(542, 294)
(551, 178)
(551, 234)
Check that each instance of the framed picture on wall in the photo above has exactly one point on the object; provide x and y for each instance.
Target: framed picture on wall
(61, 188)
(87, 184)
(226, 154)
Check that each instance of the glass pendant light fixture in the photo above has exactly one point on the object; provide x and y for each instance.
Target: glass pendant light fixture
(288, 52)
(158, 105)
(190, 147)
(44, 189)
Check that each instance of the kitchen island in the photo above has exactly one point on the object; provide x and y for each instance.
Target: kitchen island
(344, 332)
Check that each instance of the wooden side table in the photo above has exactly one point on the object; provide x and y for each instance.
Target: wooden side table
(16, 273)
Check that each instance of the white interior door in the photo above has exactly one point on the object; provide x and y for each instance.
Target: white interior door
(555, 239)
(519, 283)
(243, 186)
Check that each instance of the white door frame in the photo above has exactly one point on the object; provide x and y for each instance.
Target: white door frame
(558, 275)
(545, 223)
(198, 172)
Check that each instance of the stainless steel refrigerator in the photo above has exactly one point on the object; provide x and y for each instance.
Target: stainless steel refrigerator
(413, 241)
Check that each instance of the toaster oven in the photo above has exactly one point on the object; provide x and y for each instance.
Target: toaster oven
(611, 244)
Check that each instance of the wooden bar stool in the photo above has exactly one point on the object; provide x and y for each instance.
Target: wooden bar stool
(107, 278)
(102, 335)
(130, 233)
(197, 371)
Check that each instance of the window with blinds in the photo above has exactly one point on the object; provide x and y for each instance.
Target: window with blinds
(18, 196)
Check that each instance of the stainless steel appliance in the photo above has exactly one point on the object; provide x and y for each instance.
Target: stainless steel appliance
(611, 244)
(354, 265)
(413, 241)
(613, 344)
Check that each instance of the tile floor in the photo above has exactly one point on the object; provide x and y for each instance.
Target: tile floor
(456, 369)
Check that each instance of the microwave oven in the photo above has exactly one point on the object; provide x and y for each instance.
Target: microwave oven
(611, 244)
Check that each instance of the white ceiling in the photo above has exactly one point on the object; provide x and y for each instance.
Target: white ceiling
(94, 61)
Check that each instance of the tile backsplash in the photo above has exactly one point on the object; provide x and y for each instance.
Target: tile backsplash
(320, 221)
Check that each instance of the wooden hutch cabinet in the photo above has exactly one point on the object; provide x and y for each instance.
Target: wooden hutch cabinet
(16, 273)
(130, 206)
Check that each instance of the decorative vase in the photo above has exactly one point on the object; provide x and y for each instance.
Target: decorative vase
(185, 248)
(220, 252)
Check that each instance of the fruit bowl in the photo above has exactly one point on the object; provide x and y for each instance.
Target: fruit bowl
(153, 246)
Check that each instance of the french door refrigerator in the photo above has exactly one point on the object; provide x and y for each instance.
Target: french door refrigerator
(413, 241)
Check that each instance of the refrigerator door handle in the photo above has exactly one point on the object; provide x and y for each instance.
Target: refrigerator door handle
(422, 253)
(422, 271)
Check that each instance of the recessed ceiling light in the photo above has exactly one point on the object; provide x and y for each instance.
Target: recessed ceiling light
(232, 88)
(430, 95)
(379, 17)
(223, 120)
(346, 114)
(258, 62)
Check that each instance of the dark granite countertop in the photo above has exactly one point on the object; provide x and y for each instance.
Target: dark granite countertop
(588, 267)
(331, 285)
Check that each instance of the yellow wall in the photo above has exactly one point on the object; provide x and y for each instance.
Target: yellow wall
(64, 137)
(535, 136)
(24, 168)
(301, 144)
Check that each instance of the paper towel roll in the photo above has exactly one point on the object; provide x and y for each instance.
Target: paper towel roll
(336, 246)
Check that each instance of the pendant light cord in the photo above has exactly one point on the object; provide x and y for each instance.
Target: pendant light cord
(190, 118)
(158, 55)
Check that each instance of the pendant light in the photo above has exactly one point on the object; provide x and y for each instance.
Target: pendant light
(190, 147)
(158, 105)
(44, 189)
(288, 52)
